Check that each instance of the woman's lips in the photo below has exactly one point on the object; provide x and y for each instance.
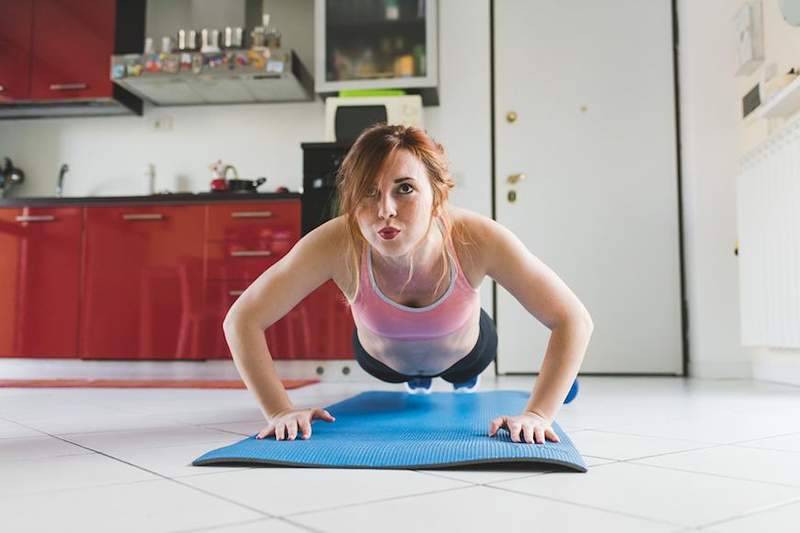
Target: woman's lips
(389, 234)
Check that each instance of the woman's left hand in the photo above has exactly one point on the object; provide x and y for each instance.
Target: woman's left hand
(528, 427)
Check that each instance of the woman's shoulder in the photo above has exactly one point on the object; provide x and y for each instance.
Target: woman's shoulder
(337, 239)
(469, 240)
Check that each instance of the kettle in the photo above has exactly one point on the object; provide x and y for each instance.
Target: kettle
(10, 176)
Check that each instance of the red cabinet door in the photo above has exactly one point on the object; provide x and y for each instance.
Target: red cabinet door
(73, 41)
(15, 49)
(244, 240)
(39, 281)
(142, 281)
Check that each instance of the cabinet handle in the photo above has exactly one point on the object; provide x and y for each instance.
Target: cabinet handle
(35, 218)
(68, 86)
(251, 253)
(143, 216)
(251, 214)
(235, 293)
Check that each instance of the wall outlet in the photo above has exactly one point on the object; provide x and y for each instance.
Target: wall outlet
(162, 123)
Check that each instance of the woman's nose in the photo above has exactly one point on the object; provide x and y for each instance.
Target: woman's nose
(386, 207)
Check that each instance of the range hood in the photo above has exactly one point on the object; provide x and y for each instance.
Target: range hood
(121, 103)
(230, 77)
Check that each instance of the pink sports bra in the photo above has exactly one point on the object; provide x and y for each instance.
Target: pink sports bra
(393, 320)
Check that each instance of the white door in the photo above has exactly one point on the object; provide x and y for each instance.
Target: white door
(591, 83)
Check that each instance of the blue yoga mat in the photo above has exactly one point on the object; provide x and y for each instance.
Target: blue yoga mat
(400, 430)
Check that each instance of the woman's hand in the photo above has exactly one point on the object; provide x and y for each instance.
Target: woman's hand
(528, 426)
(285, 425)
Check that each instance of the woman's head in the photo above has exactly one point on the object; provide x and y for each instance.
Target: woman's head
(396, 177)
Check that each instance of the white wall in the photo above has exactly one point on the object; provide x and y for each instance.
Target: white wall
(710, 143)
(108, 155)
(781, 52)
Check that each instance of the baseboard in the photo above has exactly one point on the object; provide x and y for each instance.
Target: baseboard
(323, 370)
(721, 370)
(778, 366)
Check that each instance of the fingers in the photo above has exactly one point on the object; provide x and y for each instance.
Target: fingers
(514, 428)
(551, 435)
(291, 427)
(528, 431)
(538, 434)
(323, 415)
(266, 432)
(496, 424)
(305, 427)
(280, 431)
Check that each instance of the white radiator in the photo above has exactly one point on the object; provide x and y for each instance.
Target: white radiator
(769, 241)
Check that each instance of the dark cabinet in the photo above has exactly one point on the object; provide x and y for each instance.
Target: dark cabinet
(16, 17)
(39, 281)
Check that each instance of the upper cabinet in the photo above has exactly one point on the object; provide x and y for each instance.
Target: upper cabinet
(15, 48)
(377, 44)
(55, 56)
(72, 45)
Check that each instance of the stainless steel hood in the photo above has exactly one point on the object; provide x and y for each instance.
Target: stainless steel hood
(194, 78)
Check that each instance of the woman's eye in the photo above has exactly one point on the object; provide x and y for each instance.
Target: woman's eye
(408, 190)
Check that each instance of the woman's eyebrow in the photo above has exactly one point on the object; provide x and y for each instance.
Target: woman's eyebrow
(398, 180)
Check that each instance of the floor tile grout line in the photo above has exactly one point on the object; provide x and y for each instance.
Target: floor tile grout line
(723, 476)
(647, 436)
(246, 522)
(586, 506)
(725, 443)
(382, 500)
(163, 477)
(218, 526)
(631, 459)
(764, 509)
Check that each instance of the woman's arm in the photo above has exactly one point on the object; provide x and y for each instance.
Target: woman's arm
(547, 298)
(274, 293)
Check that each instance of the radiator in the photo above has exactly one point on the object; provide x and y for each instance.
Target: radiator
(769, 241)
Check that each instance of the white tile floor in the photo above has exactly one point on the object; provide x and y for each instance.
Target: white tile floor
(664, 454)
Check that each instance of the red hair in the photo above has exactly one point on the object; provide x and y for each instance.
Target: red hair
(360, 170)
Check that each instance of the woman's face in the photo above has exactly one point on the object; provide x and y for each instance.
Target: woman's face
(402, 200)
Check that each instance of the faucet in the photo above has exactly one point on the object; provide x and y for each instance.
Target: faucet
(60, 188)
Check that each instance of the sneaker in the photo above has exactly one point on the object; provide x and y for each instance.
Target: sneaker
(467, 386)
(573, 391)
(419, 385)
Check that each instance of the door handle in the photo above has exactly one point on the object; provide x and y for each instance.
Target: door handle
(143, 216)
(251, 253)
(68, 86)
(514, 178)
(35, 218)
(251, 214)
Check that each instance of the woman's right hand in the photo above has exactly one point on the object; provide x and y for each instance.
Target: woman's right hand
(285, 425)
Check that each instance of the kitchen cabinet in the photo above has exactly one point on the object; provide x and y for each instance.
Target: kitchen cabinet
(73, 41)
(16, 17)
(377, 44)
(57, 53)
(142, 281)
(152, 281)
(244, 240)
(39, 281)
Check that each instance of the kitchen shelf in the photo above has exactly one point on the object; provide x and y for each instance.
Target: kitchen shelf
(222, 79)
(783, 103)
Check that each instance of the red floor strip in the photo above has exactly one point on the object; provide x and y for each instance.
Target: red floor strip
(143, 383)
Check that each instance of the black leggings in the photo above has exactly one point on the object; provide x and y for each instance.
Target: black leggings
(469, 366)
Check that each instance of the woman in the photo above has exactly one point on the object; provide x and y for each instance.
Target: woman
(410, 265)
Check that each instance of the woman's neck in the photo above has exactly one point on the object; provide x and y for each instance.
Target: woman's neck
(427, 258)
